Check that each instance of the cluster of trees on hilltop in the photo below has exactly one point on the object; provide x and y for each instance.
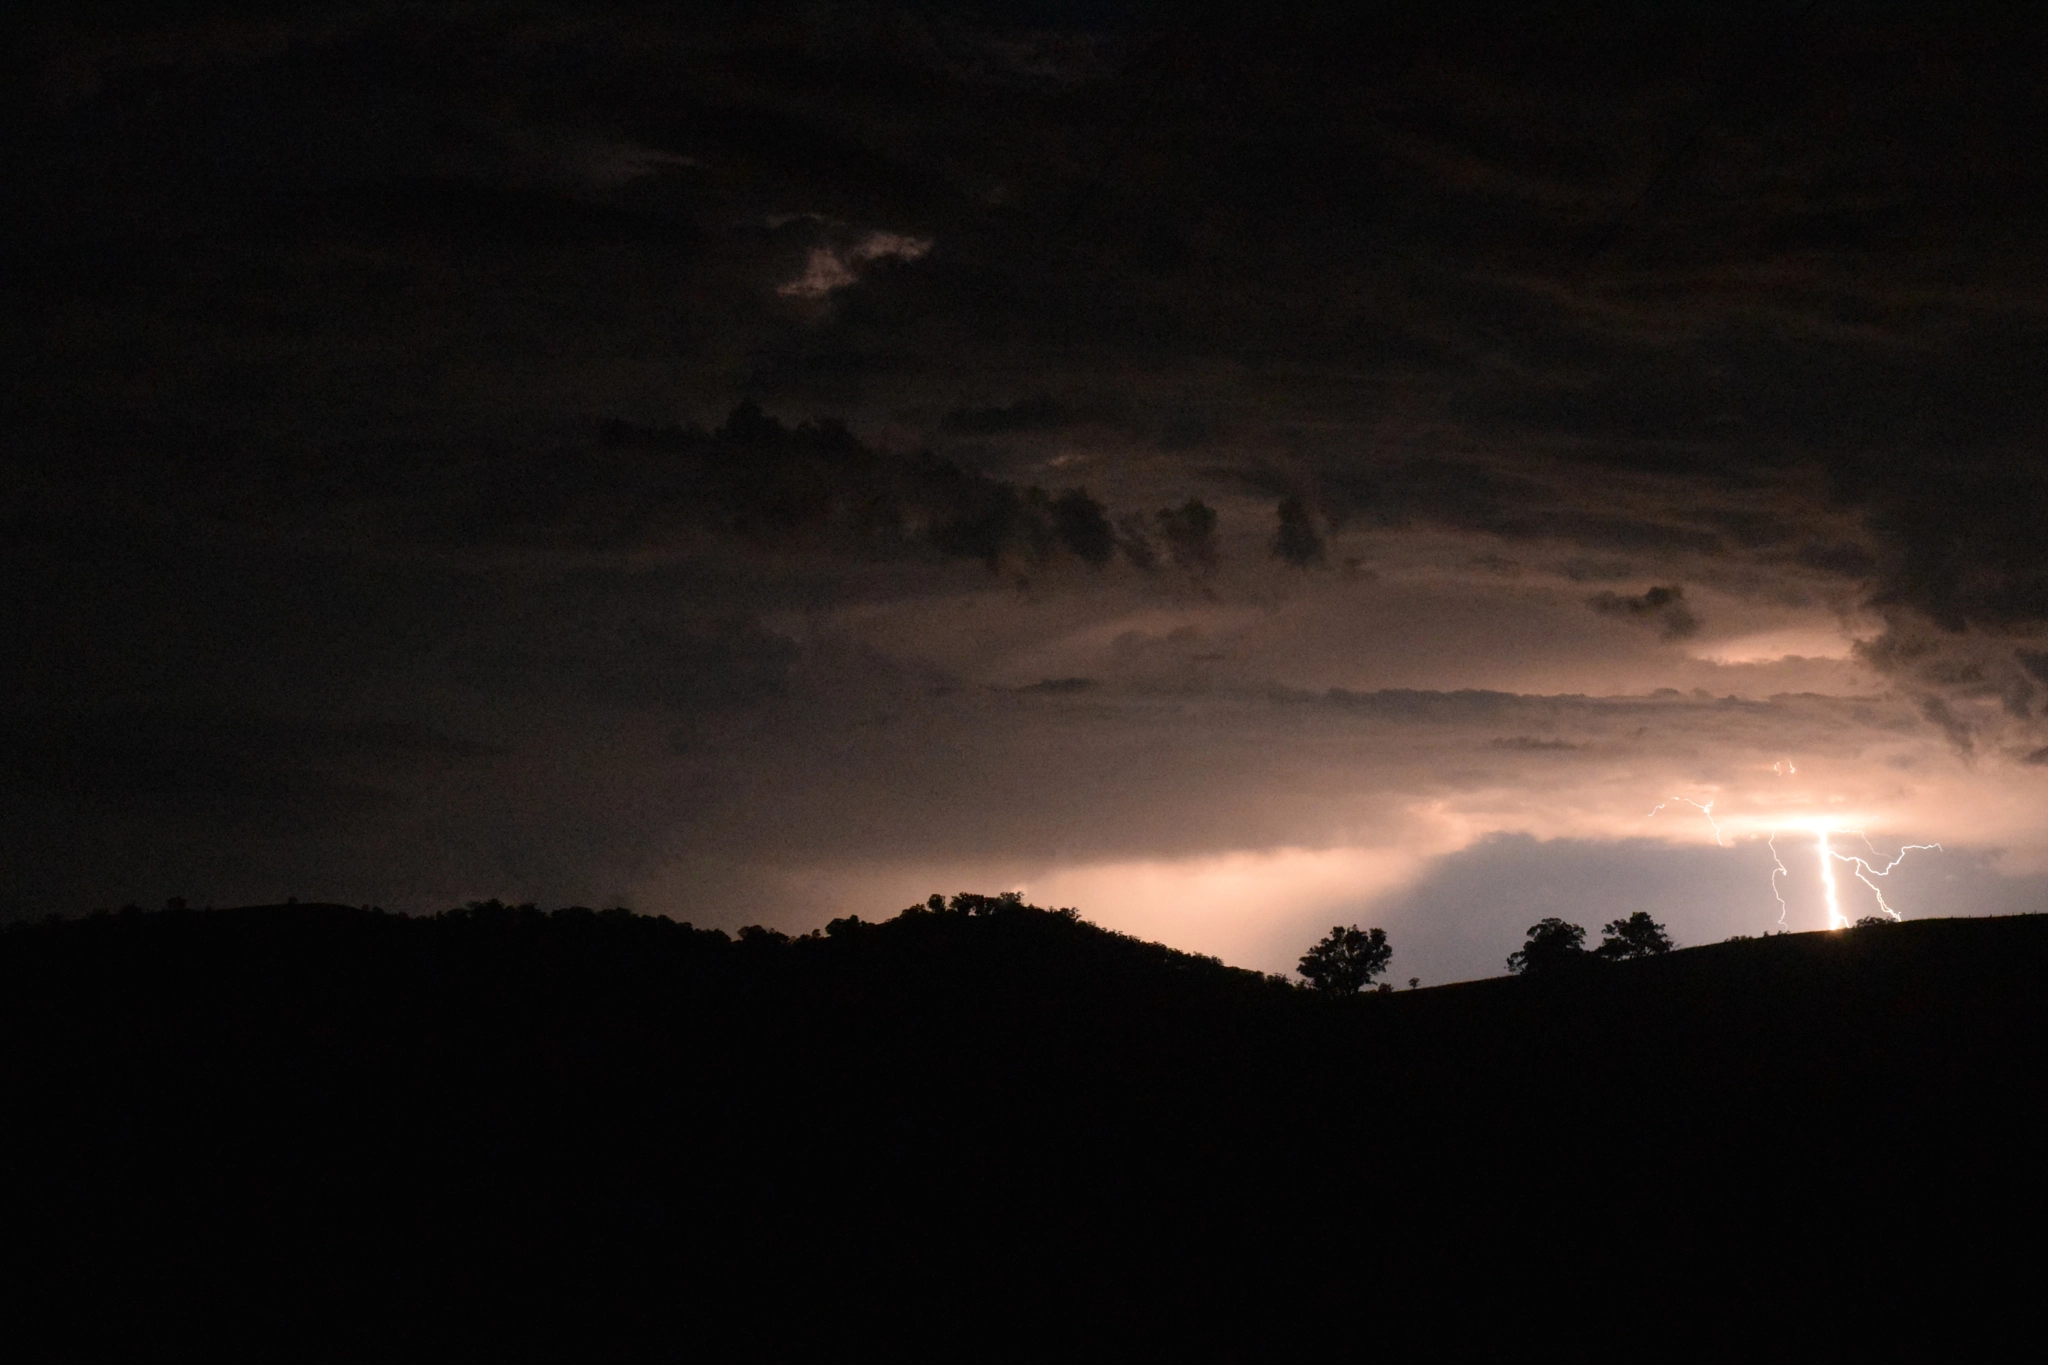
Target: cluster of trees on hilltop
(1347, 959)
(1554, 945)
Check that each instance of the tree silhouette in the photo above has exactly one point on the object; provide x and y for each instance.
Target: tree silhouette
(1636, 936)
(1346, 961)
(1553, 945)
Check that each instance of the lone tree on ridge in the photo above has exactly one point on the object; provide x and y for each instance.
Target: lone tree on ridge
(1346, 961)
(1636, 936)
(1553, 946)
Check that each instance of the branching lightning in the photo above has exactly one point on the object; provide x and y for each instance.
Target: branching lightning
(1706, 810)
(1866, 870)
(1829, 856)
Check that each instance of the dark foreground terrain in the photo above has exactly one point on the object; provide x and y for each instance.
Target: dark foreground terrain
(989, 1126)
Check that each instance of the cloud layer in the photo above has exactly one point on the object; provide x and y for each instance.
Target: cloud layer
(758, 463)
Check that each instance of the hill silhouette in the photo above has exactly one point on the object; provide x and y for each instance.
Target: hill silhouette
(477, 1127)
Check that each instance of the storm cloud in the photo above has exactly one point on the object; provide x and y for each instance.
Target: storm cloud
(582, 454)
(1663, 606)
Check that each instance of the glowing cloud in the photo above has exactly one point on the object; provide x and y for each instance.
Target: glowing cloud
(830, 268)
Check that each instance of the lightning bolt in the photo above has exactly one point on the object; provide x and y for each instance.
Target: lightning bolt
(1864, 871)
(1706, 810)
(1836, 919)
(1780, 871)
(1829, 856)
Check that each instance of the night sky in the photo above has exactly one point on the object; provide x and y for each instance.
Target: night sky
(1226, 470)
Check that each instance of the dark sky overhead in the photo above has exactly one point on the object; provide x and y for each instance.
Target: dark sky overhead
(1229, 469)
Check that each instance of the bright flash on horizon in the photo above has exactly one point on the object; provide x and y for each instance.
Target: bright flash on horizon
(1865, 870)
(1823, 831)
(1836, 919)
(1864, 873)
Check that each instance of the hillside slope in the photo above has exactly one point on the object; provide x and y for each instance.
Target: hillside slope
(608, 1117)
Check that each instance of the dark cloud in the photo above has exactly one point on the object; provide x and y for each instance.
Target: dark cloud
(1410, 705)
(243, 771)
(1034, 413)
(1298, 542)
(1134, 538)
(316, 316)
(1965, 548)
(1961, 675)
(1060, 685)
(760, 479)
(1959, 731)
(1082, 525)
(1663, 607)
(1189, 531)
(1450, 492)
(1851, 561)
